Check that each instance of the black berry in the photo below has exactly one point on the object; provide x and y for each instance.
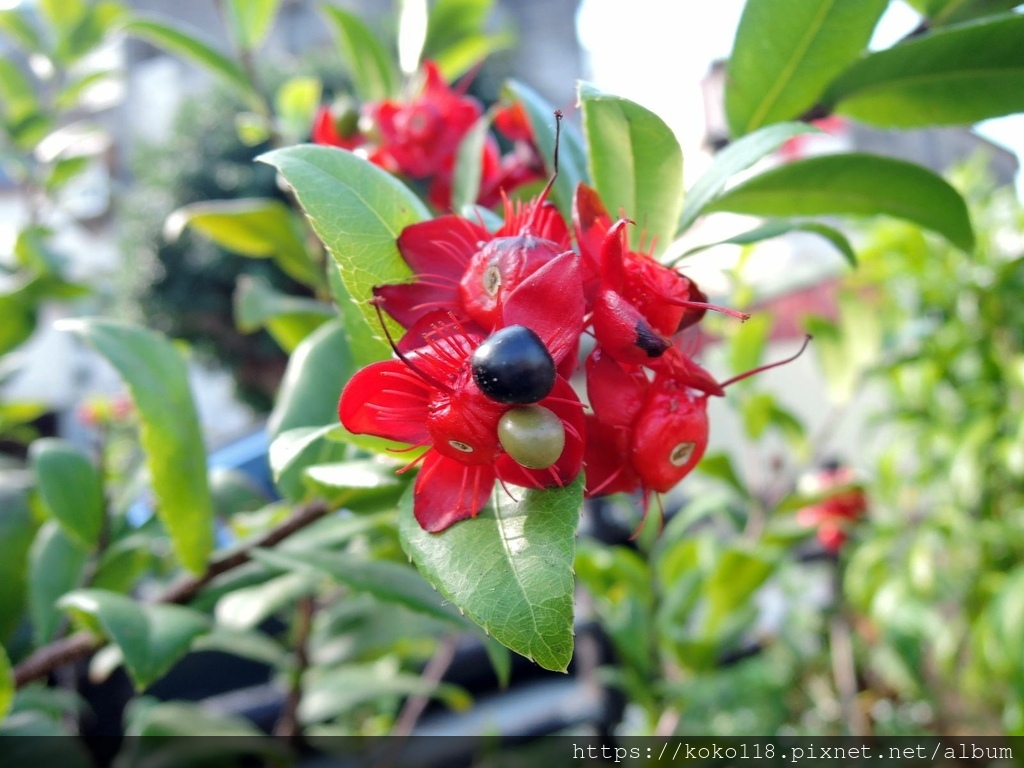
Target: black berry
(513, 366)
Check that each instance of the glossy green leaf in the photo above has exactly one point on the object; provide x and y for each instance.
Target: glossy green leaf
(368, 62)
(953, 11)
(855, 184)
(388, 582)
(151, 636)
(288, 318)
(737, 157)
(251, 20)
(313, 380)
(186, 44)
(509, 569)
(636, 164)
(247, 644)
(157, 378)
(70, 487)
(572, 158)
(357, 209)
(365, 346)
(953, 76)
(332, 692)
(257, 227)
(787, 51)
(17, 531)
(355, 484)
(292, 450)
(6, 683)
(455, 36)
(781, 227)
(246, 607)
(469, 164)
(56, 563)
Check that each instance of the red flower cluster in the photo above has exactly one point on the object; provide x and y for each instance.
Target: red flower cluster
(420, 137)
(834, 515)
(494, 323)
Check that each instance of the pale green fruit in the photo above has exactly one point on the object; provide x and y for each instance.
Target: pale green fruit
(532, 435)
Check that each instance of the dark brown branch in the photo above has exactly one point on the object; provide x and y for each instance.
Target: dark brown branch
(81, 644)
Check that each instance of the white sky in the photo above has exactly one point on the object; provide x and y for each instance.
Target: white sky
(678, 39)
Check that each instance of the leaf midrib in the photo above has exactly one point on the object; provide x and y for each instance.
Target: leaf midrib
(785, 76)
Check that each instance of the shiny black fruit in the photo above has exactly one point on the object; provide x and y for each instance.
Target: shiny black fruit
(513, 366)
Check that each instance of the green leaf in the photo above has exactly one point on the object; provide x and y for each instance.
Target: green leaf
(17, 94)
(19, 313)
(365, 347)
(295, 449)
(747, 343)
(256, 227)
(462, 56)
(368, 62)
(157, 378)
(295, 104)
(719, 465)
(572, 159)
(251, 20)
(636, 164)
(244, 608)
(70, 487)
(335, 691)
(509, 569)
(56, 563)
(450, 21)
(16, 25)
(469, 164)
(855, 184)
(17, 530)
(313, 380)
(234, 491)
(184, 43)
(952, 76)
(357, 209)
(6, 683)
(289, 319)
(151, 636)
(354, 484)
(782, 227)
(738, 156)
(736, 577)
(787, 51)
(953, 11)
(388, 582)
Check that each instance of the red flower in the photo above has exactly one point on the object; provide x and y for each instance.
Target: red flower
(462, 268)
(337, 130)
(428, 397)
(422, 136)
(837, 512)
(638, 303)
(654, 432)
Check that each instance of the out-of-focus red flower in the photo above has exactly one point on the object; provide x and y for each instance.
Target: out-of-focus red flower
(422, 136)
(337, 127)
(835, 514)
(512, 123)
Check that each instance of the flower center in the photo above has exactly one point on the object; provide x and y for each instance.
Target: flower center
(681, 454)
(492, 280)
